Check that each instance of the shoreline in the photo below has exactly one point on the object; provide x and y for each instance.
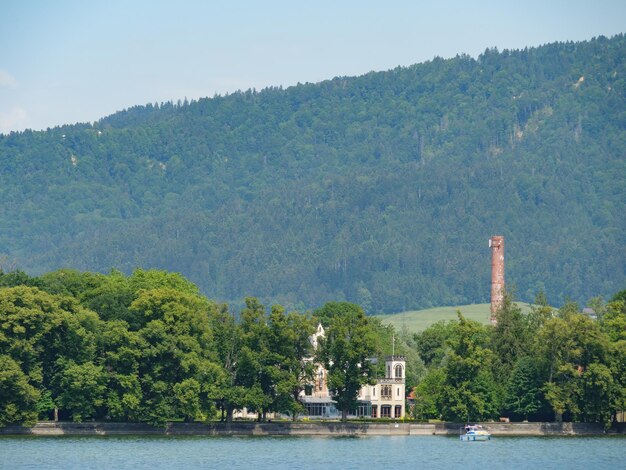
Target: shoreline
(45, 428)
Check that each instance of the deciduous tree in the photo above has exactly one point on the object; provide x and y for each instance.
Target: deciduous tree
(345, 352)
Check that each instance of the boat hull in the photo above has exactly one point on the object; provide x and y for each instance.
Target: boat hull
(476, 437)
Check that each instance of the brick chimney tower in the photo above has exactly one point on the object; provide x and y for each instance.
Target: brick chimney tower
(496, 243)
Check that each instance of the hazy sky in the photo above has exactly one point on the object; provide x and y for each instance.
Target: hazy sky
(67, 61)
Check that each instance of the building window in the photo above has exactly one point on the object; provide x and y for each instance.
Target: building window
(398, 392)
(321, 381)
(374, 411)
(308, 390)
(398, 413)
(388, 371)
(316, 409)
(385, 411)
(374, 391)
(363, 409)
(398, 371)
(385, 392)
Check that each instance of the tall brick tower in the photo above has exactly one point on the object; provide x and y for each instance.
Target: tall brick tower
(496, 243)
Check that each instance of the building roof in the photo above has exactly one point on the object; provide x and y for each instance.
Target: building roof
(308, 399)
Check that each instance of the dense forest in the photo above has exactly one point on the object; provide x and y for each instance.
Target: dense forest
(150, 348)
(381, 189)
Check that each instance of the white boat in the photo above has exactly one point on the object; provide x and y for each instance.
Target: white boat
(475, 433)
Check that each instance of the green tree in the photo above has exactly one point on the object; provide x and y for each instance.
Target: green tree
(614, 321)
(68, 282)
(431, 343)
(614, 326)
(17, 278)
(18, 398)
(426, 395)
(111, 299)
(562, 390)
(177, 346)
(142, 279)
(227, 339)
(617, 364)
(83, 388)
(566, 346)
(598, 305)
(522, 398)
(509, 340)
(28, 317)
(112, 295)
(120, 351)
(539, 313)
(291, 352)
(391, 342)
(46, 405)
(597, 395)
(254, 369)
(469, 391)
(345, 352)
(41, 331)
(187, 395)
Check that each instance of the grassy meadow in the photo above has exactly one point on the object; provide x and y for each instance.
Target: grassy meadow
(414, 321)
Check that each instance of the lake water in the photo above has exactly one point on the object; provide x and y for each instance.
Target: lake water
(259, 453)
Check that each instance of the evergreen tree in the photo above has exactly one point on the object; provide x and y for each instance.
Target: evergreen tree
(522, 398)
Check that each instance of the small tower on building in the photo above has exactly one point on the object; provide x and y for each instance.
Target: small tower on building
(395, 367)
(392, 388)
(496, 243)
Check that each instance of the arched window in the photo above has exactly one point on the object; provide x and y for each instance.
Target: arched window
(321, 381)
(398, 371)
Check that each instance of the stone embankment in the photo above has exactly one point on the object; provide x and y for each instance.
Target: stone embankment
(307, 429)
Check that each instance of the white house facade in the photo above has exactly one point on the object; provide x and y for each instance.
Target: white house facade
(384, 399)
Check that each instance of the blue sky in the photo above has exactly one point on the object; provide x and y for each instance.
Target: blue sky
(67, 61)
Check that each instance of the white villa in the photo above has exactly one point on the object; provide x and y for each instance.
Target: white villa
(384, 399)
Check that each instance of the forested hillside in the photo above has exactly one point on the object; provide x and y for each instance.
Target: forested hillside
(381, 189)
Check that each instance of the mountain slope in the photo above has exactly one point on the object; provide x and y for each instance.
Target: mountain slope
(381, 189)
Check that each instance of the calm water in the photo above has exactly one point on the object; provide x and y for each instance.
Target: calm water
(376, 452)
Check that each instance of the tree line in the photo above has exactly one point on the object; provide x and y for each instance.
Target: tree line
(148, 347)
(547, 365)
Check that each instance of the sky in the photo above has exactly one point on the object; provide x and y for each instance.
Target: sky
(68, 61)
